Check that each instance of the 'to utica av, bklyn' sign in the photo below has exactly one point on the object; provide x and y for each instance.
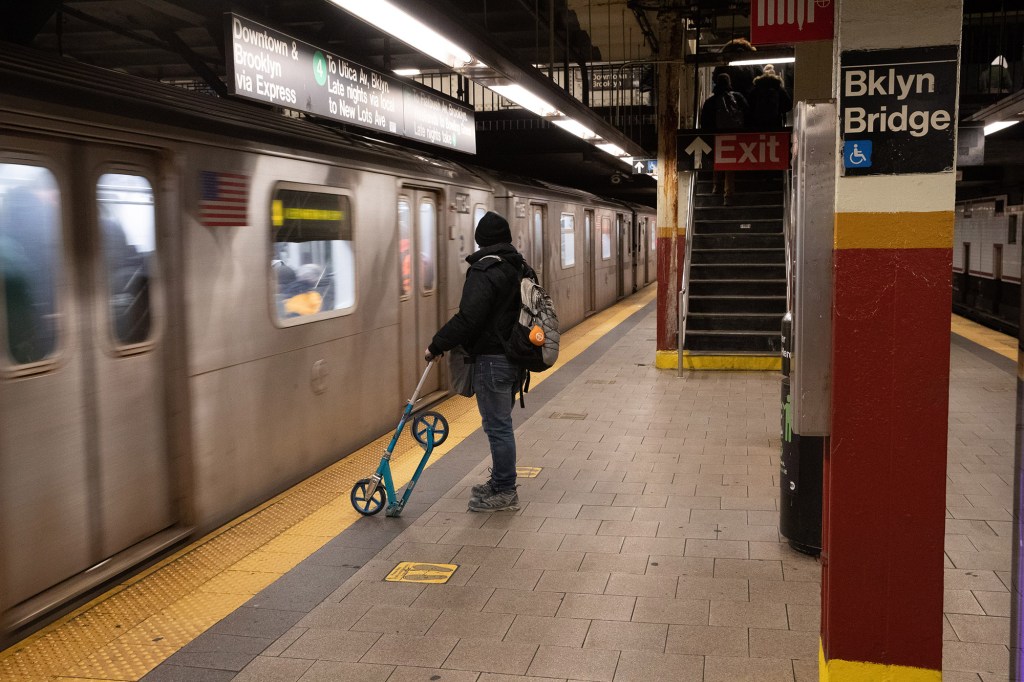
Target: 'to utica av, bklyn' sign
(269, 66)
(897, 110)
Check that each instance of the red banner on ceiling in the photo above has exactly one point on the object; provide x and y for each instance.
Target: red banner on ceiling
(774, 22)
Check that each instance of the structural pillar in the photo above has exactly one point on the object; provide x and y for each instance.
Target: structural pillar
(885, 469)
(670, 244)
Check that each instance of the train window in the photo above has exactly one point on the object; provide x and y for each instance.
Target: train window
(654, 237)
(30, 261)
(1011, 228)
(313, 258)
(606, 238)
(127, 220)
(405, 247)
(427, 238)
(568, 240)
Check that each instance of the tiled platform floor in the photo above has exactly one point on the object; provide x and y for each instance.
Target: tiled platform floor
(646, 549)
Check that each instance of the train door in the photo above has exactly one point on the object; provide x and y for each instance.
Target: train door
(539, 214)
(645, 248)
(965, 294)
(82, 364)
(634, 252)
(641, 252)
(420, 304)
(997, 276)
(620, 255)
(589, 276)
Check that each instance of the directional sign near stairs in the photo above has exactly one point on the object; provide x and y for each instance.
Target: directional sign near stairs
(695, 150)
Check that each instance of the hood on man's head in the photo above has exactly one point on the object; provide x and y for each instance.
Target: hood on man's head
(492, 229)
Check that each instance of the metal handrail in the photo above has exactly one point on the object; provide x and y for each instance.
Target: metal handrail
(684, 289)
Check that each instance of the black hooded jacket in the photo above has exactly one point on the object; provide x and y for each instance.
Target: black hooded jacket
(489, 304)
(769, 102)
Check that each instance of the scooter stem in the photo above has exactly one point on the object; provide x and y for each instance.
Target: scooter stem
(419, 386)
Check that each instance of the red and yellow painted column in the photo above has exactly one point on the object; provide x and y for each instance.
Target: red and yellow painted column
(885, 470)
(671, 235)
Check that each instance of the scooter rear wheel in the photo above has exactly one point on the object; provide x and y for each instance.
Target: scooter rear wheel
(427, 421)
(367, 505)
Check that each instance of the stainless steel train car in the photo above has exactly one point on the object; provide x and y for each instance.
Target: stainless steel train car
(987, 262)
(203, 302)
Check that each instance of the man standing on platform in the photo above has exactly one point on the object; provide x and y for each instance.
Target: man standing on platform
(487, 311)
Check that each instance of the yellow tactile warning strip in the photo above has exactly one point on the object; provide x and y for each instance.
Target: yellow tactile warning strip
(669, 359)
(416, 572)
(1003, 344)
(528, 472)
(132, 628)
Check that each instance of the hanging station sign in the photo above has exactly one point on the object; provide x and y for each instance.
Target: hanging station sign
(774, 22)
(269, 66)
(897, 110)
(733, 151)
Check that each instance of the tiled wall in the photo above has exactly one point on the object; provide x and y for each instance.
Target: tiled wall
(978, 224)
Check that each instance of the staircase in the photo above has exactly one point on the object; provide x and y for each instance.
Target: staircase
(737, 288)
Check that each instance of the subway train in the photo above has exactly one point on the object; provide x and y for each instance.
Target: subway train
(203, 302)
(987, 262)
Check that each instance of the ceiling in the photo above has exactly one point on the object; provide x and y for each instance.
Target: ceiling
(183, 42)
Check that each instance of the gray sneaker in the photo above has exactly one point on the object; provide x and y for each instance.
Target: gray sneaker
(481, 490)
(506, 500)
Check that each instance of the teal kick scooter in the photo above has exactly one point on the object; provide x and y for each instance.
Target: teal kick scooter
(430, 429)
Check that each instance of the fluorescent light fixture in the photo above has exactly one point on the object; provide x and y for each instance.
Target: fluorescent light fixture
(628, 160)
(612, 149)
(576, 128)
(390, 19)
(407, 72)
(765, 60)
(524, 98)
(998, 125)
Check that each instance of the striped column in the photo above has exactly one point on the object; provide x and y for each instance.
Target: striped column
(884, 476)
(671, 235)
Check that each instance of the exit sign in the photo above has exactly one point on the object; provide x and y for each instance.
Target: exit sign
(752, 151)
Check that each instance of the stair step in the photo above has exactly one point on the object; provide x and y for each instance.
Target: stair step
(737, 271)
(727, 342)
(739, 240)
(737, 304)
(739, 212)
(744, 184)
(756, 225)
(747, 198)
(738, 287)
(740, 255)
(733, 322)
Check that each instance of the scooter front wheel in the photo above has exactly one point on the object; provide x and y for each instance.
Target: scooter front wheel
(427, 421)
(367, 505)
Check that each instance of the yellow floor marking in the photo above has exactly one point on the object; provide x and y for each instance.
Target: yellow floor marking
(528, 472)
(416, 572)
(133, 627)
(1004, 344)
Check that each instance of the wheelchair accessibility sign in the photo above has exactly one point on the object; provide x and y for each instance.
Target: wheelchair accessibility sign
(857, 154)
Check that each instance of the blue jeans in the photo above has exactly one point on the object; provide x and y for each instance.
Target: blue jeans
(494, 381)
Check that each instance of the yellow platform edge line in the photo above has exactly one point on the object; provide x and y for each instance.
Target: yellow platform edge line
(995, 341)
(88, 662)
(669, 359)
(856, 671)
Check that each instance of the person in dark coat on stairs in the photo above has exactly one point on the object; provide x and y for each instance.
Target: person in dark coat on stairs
(769, 101)
(725, 110)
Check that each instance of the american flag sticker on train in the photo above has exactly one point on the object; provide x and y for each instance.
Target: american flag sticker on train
(224, 199)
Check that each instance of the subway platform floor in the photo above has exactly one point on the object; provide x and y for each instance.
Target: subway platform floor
(647, 545)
